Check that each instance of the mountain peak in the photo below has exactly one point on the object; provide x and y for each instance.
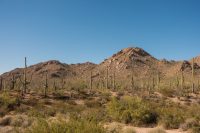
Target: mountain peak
(135, 51)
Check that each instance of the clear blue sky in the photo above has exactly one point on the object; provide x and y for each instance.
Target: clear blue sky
(75, 31)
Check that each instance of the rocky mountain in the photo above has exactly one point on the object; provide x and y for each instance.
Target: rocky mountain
(197, 60)
(128, 61)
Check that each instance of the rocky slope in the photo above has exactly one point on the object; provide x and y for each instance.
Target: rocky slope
(123, 64)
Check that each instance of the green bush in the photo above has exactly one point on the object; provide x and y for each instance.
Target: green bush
(8, 103)
(171, 118)
(126, 117)
(132, 110)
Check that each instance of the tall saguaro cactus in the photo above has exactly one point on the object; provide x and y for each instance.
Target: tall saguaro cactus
(63, 83)
(54, 86)
(193, 76)
(46, 84)
(153, 83)
(132, 77)
(25, 82)
(158, 79)
(91, 80)
(106, 77)
(182, 80)
(177, 81)
(13, 82)
(114, 79)
(132, 81)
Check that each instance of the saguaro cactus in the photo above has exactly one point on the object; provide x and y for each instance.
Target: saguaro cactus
(54, 86)
(113, 79)
(158, 79)
(63, 83)
(13, 82)
(107, 78)
(25, 82)
(132, 77)
(193, 76)
(46, 84)
(91, 80)
(182, 80)
(153, 83)
(177, 81)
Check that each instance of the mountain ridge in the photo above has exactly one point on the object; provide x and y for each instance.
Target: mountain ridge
(121, 63)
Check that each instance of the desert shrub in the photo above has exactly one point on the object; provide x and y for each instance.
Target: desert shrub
(171, 117)
(126, 117)
(60, 126)
(41, 111)
(196, 129)
(5, 121)
(8, 103)
(92, 104)
(132, 110)
(189, 123)
(93, 114)
(21, 121)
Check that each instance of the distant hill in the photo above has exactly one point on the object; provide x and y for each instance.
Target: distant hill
(123, 64)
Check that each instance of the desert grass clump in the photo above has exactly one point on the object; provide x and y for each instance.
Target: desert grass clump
(61, 126)
(157, 130)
